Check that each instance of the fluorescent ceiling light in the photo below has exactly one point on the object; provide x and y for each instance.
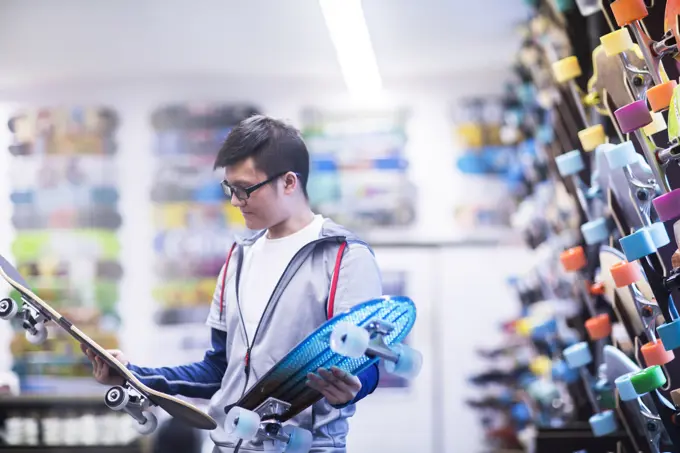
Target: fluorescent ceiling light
(347, 28)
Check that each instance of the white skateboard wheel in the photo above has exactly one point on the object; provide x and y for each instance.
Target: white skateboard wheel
(659, 234)
(116, 398)
(149, 425)
(603, 423)
(408, 364)
(39, 336)
(569, 163)
(595, 231)
(349, 340)
(621, 155)
(242, 423)
(8, 309)
(577, 355)
(300, 439)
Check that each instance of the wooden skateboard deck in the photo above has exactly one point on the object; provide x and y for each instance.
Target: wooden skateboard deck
(36, 312)
(282, 392)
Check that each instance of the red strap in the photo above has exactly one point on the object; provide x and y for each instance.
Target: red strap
(224, 278)
(334, 282)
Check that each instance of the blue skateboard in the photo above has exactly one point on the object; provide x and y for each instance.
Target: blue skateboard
(351, 341)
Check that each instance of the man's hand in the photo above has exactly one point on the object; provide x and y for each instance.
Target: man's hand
(675, 259)
(337, 386)
(101, 370)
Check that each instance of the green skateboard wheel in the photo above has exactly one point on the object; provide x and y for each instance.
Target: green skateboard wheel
(648, 379)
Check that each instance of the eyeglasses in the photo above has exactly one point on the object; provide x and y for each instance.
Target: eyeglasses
(243, 193)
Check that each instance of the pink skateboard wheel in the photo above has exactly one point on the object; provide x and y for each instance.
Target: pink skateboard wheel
(668, 205)
(633, 116)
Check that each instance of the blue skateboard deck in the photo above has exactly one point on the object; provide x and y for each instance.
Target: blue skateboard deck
(286, 381)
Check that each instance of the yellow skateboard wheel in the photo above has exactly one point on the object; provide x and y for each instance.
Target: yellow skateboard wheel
(659, 96)
(592, 137)
(540, 366)
(523, 327)
(616, 42)
(566, 69)
(657, 125)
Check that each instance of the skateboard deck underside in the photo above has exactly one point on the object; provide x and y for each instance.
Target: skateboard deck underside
(286, 381)
(175, 407)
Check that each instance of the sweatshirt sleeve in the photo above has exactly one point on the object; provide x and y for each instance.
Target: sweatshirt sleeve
(197, 380)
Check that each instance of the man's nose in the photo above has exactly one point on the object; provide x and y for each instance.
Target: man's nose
(236, 201)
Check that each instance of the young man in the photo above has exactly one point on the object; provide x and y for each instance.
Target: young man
(274, 289)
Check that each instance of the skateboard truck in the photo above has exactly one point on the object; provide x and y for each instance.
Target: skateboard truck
(33, 322)
(136, 405)
(262, 424)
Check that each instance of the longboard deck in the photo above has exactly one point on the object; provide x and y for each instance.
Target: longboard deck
(173, 406)
(286, 381)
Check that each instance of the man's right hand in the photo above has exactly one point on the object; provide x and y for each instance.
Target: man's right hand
(101, 370)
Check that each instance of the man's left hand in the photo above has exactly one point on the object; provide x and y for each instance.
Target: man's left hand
(337, 386)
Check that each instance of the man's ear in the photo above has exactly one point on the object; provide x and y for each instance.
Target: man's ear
(290, 182)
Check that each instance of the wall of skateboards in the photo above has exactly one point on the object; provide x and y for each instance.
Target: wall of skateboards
(588, 362)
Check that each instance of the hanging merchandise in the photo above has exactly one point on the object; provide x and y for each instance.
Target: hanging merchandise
(359, 169)
(64, 196)
(193, 219)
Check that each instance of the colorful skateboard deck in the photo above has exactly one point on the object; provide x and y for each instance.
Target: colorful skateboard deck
(133, 397)
(361, 335)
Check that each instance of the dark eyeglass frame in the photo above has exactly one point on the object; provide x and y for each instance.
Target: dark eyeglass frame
(243, 193)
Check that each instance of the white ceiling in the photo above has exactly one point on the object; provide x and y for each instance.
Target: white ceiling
(42, 41)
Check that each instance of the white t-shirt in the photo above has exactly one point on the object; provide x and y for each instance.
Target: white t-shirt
(263, 265)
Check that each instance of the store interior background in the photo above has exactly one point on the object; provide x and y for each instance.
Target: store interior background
(135, 57)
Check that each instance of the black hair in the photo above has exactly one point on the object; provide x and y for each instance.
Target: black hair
(275, 147)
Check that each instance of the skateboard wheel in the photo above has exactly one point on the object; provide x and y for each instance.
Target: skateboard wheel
(573, 259)
(242, 423)
(595, 231)
(603, 423)
(667, 206)
(566, 69)
(657, 125)
(659, 96)
(648, 379)
(39, 336)
(633, 116)
(655, 353)
(628, 11)
(562, 372)
(659, 234)
(116, 398)
(300, 440)
(569, 163)
(592, 137)
(625, 387)
(349, 340)
(637, 245)
(621, 155)
(599, 327)
(669, 334)
(149, 425)
(588, 7)
(408, 363)
(577, 355)
(8, 308)
(616, 42)
(540, 366)
(543, 391)
(625, 273)
(564, 5)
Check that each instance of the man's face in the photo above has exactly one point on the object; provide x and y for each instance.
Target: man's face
(262, 209)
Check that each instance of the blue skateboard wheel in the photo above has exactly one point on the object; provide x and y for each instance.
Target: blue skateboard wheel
(569, 163)
(603, 423)
(621, 155)
(595, 231)
(544, 330)
(562, 372)
(659, 234)
(520, 413)
(637, 245)
(577, 355)
(625, 387)
(670, 334)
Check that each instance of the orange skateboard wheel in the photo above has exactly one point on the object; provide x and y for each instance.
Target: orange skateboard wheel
(660, 95)
(655, 354)
(597, 289)
(599, 327)
(573, 259)
(625, 273)
(628, 11)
